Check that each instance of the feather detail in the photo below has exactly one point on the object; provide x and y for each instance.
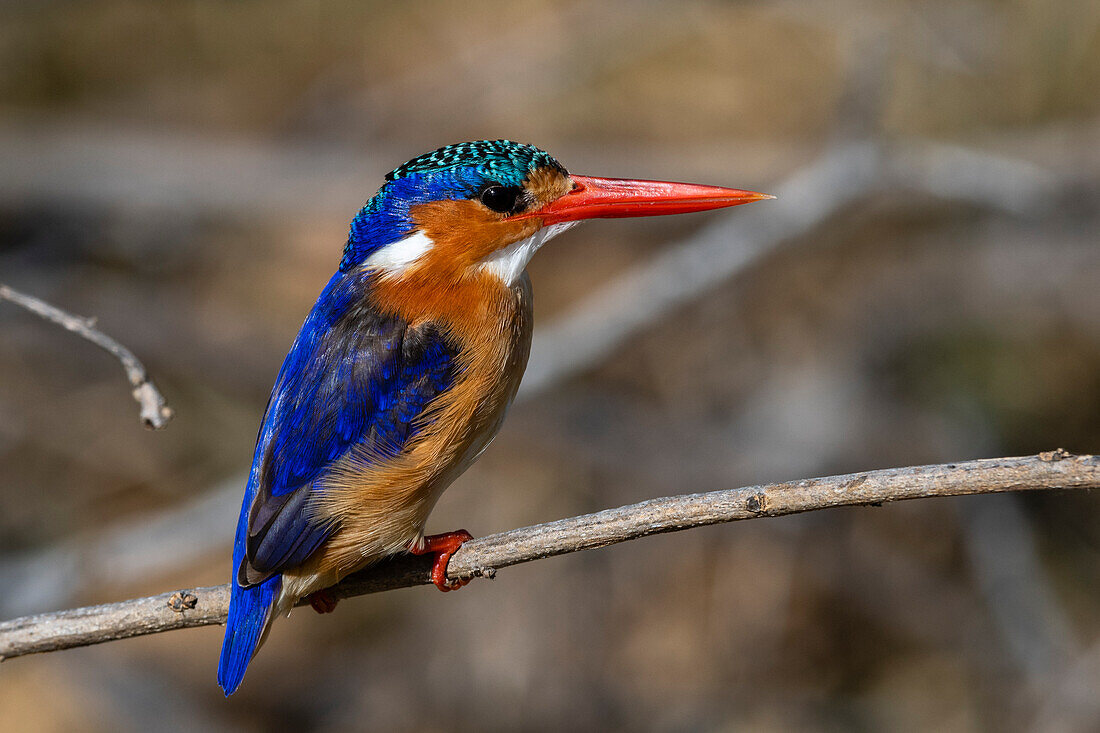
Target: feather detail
(383, 502)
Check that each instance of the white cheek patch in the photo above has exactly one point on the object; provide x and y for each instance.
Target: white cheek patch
(395, 257)
(509, 262)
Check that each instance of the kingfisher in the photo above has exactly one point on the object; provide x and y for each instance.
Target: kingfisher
(403, 370)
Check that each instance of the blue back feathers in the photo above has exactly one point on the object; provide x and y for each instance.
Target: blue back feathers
(457, 171)
(354, 379)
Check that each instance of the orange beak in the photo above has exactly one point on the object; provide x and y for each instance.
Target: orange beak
(614, 198)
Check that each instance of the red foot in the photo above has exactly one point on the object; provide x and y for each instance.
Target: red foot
(443, 545)
(322, 601)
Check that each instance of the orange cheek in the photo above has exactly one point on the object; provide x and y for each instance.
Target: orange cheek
(463, 233)
(446, 284)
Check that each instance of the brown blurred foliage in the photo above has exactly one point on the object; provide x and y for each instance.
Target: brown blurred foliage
(185, 171)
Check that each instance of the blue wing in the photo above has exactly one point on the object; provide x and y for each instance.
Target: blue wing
(354, 377)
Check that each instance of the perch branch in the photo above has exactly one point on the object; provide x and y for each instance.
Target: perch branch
(483, 556)
(155, 414)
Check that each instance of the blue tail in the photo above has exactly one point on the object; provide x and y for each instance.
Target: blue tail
(249, 616)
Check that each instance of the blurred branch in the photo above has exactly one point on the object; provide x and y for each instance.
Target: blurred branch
(483, 556)
(845, 173)
(599, 324)
(154, 412)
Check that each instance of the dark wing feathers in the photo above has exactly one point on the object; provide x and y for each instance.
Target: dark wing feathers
(353, 377)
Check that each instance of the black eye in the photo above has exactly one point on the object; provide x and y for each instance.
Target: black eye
(503, 199)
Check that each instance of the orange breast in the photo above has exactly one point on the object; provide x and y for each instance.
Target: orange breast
(382, 505)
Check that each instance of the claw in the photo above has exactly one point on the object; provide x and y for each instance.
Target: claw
(322, 601)
(443, 546)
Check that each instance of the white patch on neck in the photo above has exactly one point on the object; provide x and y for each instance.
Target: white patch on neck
(508, 263)
(395, 257)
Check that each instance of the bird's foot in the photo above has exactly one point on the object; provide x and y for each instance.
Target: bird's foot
(322, 601)
(443, 546)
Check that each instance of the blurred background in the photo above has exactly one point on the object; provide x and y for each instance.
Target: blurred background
(926, 289)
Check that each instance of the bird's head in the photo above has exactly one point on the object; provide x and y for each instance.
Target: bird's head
(485, 207)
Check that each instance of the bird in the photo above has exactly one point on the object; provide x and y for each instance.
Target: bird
(404, 368)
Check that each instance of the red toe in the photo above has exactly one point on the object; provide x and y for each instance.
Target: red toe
(443, 545)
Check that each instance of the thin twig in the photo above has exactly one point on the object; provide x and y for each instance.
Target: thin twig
(484, 556)
(155, 414)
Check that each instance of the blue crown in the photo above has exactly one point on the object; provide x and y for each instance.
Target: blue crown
(451, 172)
(503, 160)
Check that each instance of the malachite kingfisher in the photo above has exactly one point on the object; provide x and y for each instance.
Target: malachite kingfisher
(404, 368)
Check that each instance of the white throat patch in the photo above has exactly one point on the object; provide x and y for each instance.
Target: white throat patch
(393, 258)
(508, 263)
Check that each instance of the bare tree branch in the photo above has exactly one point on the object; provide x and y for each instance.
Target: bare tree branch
(483, 556)
(154, 412)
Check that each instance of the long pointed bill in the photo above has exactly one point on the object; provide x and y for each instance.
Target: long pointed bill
(613, 198)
